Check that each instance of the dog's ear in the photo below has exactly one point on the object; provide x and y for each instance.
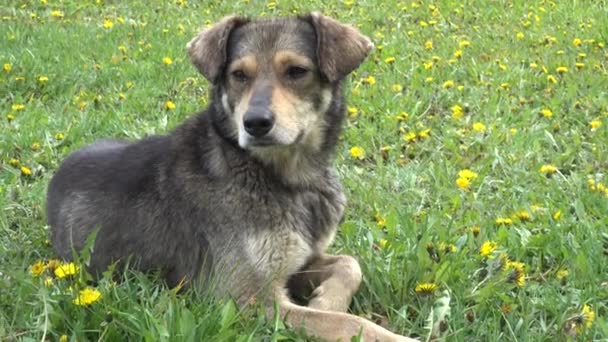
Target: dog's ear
(340, 48)
(208, 50)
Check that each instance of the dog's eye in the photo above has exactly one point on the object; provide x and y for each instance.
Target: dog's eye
(295, 72)
(239, 75)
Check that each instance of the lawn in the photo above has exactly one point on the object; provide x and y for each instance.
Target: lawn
(475, 160)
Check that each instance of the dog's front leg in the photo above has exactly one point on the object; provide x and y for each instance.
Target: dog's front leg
(330, 281)
(331, 325)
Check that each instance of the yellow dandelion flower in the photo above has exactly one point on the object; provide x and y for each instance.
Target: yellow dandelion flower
(169, 105)
(26, 171)
(517, 274)
(548, 169)
(66, 270)
(561, 70)
(428, 45)
(463, 183)
(383, 243)
(475, 230)
(595, 124)
(458, 54)
(423, 23)
(57, 14)
(53, 264)
(426, 288)
(7, 67)
(352, 111)
(59, 136)
(429, 80)
(357, 152)
(577, 42)
(13, 162)
(410, 137)
(424, 133)
(64, 338)
(397, 88)
(371, 80)
(557, 215)
(501, 221)
(37, 268)
(108, 24)
(17, 107)
(551, 79)
(167, 61)
(547, 113)
(389, 60)
(468, 174)
(457, 112)
(487, 248)
(43, 79)
(533, 65)
(87, 296)
(562, 274)
(427, 65)
(448, 84)
(579, 65)
(588, 316)
(402, 116)
(464, 44)
(479, 127)
(447, 248)
(519, 35)
(523, 215)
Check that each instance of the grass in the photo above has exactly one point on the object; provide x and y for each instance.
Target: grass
(515, 92)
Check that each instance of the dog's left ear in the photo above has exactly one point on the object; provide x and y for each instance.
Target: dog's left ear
(208, 50)
(340, 48)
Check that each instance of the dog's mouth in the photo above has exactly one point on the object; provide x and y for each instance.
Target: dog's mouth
(271, 140)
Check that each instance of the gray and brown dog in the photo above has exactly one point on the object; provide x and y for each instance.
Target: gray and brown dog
(244, 192)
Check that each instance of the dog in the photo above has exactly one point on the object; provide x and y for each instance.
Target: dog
(244, 192)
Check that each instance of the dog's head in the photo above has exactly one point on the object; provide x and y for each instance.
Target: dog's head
(275, 76)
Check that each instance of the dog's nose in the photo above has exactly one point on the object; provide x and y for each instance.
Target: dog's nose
(258, 123)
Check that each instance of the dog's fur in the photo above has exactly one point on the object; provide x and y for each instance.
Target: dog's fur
(243, 192)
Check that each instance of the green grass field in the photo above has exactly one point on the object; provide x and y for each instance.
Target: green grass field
(475, 161)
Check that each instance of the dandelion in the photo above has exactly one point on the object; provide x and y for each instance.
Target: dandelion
(426, 288)
(519, 35)
(66, 270)
(428, 45)
(410, 137)
(557, 215)
(389, 60)
(57, 14)
(87, 296)
(464, 44)
(552, 79)
(487, 248)
(59, 136)
(380, 220)
(17, 107)
(352, 111)
(13, 162)
(424, 133)
(588, 316)
(397, 88)
(548, 169)
(429, 80)
(427, 65)
(169, 105)
(479, 127)
(577, 42)
(383, 243)
(167, 61)
(463, 183)
(108, 24)
(7, 67)
(475, 230)
(562, 274)
(579, 65)
(53, 264)
(458, 54)
(43, 79)
(595, 124)
(523, 215)
(517, 274)
(448, 84)
(457, 112)
(501, 221)
(370, 80)
(37, 268)
(547, 113)
(468, 174)
(64, 338)
(26, 171)
(561, 70)
(357, 152)
(447, 248)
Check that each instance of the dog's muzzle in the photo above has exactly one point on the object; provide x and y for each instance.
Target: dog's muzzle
(258, 121)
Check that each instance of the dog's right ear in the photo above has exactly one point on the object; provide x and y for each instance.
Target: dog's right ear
(208, 50)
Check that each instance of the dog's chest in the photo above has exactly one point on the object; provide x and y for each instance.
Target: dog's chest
(290, 228)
